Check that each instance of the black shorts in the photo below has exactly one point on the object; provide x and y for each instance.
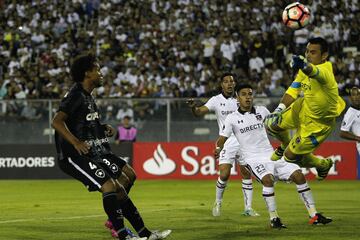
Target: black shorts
(93, 174)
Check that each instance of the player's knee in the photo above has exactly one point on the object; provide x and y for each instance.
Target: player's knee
(298, 177)
(121, 192)
(108, 186)
(225, 171)
(291, 157)
(245, 172)
(224, 176)
(268, 180)
(130, 173)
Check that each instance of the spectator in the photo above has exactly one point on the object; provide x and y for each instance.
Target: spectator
(126, 132)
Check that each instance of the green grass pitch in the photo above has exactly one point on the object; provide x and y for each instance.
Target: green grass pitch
(64, 210)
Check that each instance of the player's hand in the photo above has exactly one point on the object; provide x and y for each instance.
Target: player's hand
(109, 130)
(82, 147)
(190, 102)
(272, 119)
(217, 152)
(298, 62)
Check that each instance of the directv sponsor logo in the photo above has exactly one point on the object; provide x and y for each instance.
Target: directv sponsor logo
(252, 127)
(226, 112)
(30, 162)
(92, 116)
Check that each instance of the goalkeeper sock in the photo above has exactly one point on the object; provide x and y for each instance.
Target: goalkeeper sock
(220, 188)
(247, 190)
(269, 197)
(307, 198)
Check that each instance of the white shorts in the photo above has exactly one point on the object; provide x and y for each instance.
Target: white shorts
(280, 169)
(231, 152)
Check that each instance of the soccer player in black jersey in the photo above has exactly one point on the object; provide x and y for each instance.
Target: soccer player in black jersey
(84, 152)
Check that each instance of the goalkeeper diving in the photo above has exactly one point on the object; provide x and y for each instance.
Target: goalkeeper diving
(310, 105)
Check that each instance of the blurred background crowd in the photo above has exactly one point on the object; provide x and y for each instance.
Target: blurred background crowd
(167, 48)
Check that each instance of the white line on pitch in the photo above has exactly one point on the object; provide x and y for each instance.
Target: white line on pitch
(85, 216)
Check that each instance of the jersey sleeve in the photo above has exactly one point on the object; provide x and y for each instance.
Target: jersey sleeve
(323, 73)
(210, 104)
(347, 121)
(264, 111)
(71, 103)
(295, 87)
(227, 128)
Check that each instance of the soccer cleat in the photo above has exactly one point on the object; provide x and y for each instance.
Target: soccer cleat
(159, 234)
(114, 233)
(108, 224)
(322, 173)
(277, 154)
(250, 213)
(216, 211)
(276, 223)
(319, 219)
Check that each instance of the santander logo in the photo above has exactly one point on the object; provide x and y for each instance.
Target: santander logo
(159, 164)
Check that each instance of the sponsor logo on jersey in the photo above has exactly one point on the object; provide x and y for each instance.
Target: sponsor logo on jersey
(97, 142)
(159, 164)
(305, 87)
(259, 117)
(92, 116)
(251, 128)
(226, 112)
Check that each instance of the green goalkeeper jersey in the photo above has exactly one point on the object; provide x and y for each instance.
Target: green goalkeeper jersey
(321, 94)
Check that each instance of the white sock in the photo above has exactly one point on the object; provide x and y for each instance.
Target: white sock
(307, 198)
(220, 188)
(247, 190)
(269, 197)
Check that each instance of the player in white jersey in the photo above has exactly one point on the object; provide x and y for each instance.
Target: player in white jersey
(247, 125)
(350, 127)
(224, 104)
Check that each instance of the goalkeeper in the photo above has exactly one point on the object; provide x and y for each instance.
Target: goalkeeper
(310, 105)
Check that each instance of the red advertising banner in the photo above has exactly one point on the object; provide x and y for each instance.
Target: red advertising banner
(195, 160)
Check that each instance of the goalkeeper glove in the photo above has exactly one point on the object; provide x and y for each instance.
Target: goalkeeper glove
(298, 62)
(275, 117)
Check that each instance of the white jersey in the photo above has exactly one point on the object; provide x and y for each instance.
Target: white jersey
(351, 123)
(250, 132)
(222, 107)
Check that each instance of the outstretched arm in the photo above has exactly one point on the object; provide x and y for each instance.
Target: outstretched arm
(197, 111)
(349, 136)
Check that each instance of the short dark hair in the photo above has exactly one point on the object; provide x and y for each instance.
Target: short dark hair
(242, 86)
(82, 64)
(226, 74)
(324, 47)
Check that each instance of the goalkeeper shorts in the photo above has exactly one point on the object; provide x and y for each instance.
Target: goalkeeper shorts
(310, 133)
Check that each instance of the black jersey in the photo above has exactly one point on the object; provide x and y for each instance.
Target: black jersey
(83, 122)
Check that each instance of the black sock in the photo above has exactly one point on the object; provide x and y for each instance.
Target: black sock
(114, 213)
(133, 216)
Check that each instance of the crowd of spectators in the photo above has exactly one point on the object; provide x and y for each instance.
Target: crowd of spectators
(167, 48)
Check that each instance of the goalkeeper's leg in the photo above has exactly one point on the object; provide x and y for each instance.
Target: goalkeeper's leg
(284, 137)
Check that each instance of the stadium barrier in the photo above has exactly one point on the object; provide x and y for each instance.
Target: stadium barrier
(38, 161)
(160, 160)
(195, 160)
